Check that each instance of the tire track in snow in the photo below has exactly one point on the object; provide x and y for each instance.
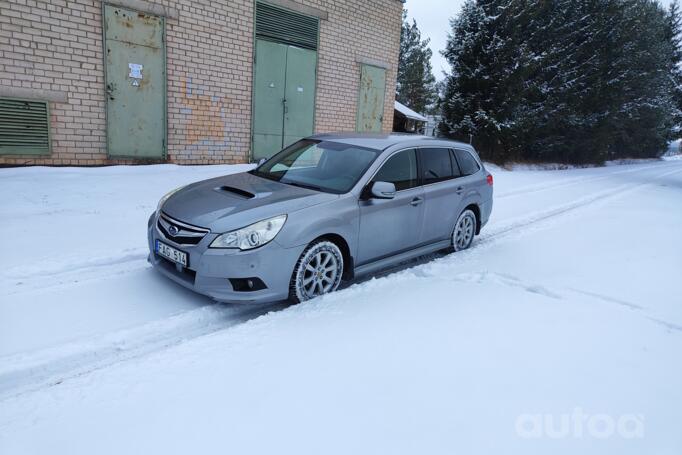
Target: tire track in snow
(539, 187)
(550, 292)
(27, 372)
(64, 267)
(536, 220)
(48, 274)
(496, 233)
(543, 215)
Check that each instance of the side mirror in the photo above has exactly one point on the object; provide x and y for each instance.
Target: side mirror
(383, 190)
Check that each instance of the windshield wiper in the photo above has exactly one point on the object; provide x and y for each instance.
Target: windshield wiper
(265, 175)
(302, 185)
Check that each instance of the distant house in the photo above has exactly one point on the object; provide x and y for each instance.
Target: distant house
(432, 122)
(405, 120)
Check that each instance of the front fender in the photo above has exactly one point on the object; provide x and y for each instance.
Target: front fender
(339, 217)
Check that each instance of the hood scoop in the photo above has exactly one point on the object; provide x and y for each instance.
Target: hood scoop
(236, 191)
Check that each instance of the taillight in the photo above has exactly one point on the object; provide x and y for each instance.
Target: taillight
(489, 179)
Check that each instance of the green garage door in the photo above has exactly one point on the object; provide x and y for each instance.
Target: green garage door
(299, 94)
(284, 79)
(268, 123)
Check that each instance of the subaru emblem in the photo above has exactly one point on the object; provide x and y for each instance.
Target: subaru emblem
(173, 230)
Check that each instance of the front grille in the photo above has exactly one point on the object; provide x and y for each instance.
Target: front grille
(179, 232)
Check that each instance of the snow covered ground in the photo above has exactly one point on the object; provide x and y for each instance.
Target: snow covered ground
(560, 331)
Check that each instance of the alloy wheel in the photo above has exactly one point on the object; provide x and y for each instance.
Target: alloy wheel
(464, 231)
(318, 271)
(320, 274)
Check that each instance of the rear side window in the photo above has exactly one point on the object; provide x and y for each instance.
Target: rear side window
(436, 165)
(467, 163)
(400, 169)
(457, 172)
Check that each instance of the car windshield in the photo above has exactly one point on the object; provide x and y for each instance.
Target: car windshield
(319, 165)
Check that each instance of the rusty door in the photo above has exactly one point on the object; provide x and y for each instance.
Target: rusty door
(135, 83)
(371, 99)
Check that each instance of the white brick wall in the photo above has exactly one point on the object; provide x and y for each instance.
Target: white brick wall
(56, 46)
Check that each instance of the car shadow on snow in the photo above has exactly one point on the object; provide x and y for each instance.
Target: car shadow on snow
(228, 313)
(231, 314)
(405, 265)
(244, 312)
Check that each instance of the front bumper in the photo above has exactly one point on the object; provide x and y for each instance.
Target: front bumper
(210, 269)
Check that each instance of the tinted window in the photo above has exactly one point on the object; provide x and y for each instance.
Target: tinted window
(467, 163)
(400, 169)
(456, 171)
(436, 165)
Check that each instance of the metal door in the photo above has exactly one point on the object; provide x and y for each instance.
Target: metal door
(135, 83)
(299, 99)
(284, 96)
(371, 99)
(442, 199)
(391, 226)
(268, 98)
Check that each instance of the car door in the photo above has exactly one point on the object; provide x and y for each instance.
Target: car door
(390, 226)
(472, 181)
(442, 193)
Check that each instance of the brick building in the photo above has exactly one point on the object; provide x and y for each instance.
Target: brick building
(86, 82)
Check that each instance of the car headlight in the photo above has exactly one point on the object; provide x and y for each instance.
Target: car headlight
(252, 236)
(165, 197)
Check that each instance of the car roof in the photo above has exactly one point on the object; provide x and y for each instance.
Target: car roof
(384, 141)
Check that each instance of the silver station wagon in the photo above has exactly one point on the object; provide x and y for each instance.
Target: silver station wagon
(325, 209)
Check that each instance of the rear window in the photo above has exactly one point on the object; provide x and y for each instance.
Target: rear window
(467, 163)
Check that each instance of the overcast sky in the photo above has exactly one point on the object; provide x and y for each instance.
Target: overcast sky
(433, 20)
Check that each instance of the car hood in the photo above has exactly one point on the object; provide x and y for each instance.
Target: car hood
(237, 200)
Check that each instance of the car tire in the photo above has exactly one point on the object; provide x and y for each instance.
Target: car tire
(318, 271)
(464, 231)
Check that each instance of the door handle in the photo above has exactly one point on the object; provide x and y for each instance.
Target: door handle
(416, 201)
(110, 90)
(459, 190)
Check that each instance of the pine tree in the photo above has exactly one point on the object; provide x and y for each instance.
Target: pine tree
(464, 51)
(642, 122)
(674, 38)
(416, 84)
(490, 63)
(568, 81)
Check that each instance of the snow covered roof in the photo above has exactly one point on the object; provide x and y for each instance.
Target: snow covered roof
(409, 113)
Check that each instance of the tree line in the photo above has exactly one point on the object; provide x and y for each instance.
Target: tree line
(569, 81)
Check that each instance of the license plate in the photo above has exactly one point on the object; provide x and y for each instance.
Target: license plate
(171, 253)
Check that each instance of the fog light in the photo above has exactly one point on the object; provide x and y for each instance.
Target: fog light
(247, 284)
